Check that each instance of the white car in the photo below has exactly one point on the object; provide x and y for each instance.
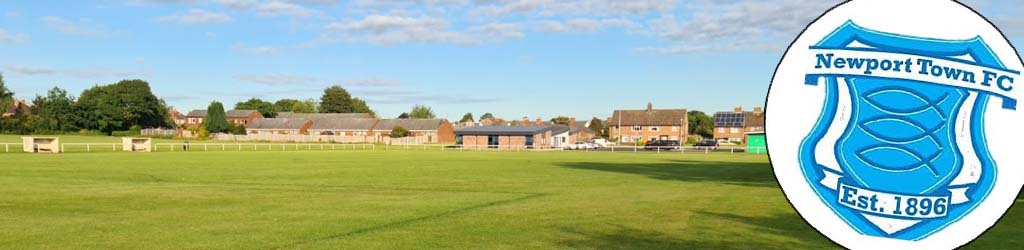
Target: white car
(580, 146)
(599, 143)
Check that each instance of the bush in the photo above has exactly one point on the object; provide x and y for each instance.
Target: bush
(399, 132)
(236, 129)
(641, 143)
(693, 139)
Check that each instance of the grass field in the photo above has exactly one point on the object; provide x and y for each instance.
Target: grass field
(405, 200)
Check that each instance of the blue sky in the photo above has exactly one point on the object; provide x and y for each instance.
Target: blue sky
(513, 58)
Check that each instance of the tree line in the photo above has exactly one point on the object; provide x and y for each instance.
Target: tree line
(334, 100)
(102, 109)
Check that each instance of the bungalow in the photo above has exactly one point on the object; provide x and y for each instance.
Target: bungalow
(435, 130)
(316, 116)
(278, 126)
(504, 137)
(561, 136)
(733, 126)
(633, 126)
(343, 127)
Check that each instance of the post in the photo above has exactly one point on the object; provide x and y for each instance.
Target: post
(88, 147)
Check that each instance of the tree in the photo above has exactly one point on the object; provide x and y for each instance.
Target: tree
(422, 112)
(55, 111)
(6, 96)
(597, 126)
(701, 124)
(561, 120)
(467, 118)
(359, 106)
(236, 129)
(216, 120)
(120, 106)
(265, 108)
(403, 116)
(336, 100)
(486, 116)
(399, 132)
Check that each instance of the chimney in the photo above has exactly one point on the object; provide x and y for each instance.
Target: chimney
(650, 107)
(738, 109)
(540, 122)
(572, 123)
(758, 110)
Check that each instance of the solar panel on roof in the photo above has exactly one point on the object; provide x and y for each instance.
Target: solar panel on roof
(729, 120)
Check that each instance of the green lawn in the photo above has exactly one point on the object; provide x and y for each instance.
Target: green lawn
(404, 200)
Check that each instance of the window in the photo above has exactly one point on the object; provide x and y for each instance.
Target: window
(721, 130)
(638, 128)
(734, 130)
(458, 140)
(529, 140)
(616, 128)
(675, 128)
(636, 138)
(654, 129)
(492, 141)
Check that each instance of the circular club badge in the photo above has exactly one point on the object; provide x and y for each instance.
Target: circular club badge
(895, 124)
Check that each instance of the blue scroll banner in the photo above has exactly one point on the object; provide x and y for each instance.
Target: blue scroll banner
(955, 72)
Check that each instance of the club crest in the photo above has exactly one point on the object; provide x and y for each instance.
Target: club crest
(881, 135)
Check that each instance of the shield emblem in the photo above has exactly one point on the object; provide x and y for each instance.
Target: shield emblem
(900, 158)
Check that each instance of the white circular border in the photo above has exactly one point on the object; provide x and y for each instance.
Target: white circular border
(793, 107)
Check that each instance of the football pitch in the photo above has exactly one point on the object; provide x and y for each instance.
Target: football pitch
(405, 200)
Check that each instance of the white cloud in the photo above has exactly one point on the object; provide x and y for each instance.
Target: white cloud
(373, 82)
(395, 29)
(740, 25)
(256, 50)
(197, 16)
(94, 73)
(12, 37)
(279, 8)
(280, 80)
(587, 25)
(67, 27)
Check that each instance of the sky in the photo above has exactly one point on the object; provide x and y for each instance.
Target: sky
(512, 58)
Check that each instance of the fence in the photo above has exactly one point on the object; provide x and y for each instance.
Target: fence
(159, 132)
(262, 147)
(413, 140)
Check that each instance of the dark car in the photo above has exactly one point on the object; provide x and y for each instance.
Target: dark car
(662, 145)
(707, 144)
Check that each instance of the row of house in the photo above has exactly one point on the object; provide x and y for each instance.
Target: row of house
(525, 134)
(632, 126)
(738, 125)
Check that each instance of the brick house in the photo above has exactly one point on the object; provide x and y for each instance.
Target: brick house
(177, 117)
(196, 117)
(343, 127)
(279, 126)
(734, 126)
(505, 137)
(632, 126)
(243, 116)
(435, 130)
(316, 116)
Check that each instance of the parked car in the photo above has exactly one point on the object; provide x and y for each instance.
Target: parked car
(662, 145)
(581, 146)
(707, 144)
(599, 143)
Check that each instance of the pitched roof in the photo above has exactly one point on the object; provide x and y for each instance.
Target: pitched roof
(343, 124)
(175, 114)
(197, 112)
(660, 117)
(17, 104)
(239, 113)
(410, 124)
(753, 119)
(277, 123)
(559, 129)
(323, 115)
(503, 130)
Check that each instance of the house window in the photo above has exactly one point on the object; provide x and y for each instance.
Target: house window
(616, 128)
(529, 140)
(655, 129)
(734, 130)
(721, 130)
(492, 141)
(675, 128)
(638, 128)
(458, 140)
